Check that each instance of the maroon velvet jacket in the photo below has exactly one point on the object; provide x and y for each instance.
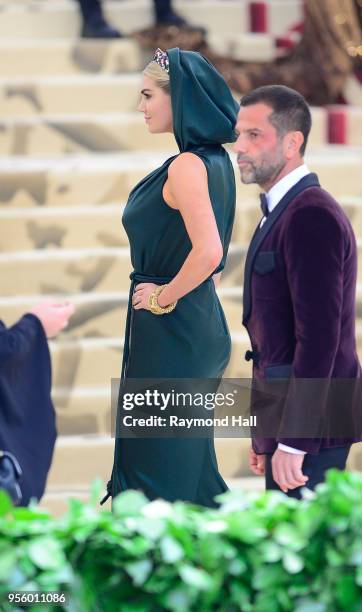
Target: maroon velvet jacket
(299, 297)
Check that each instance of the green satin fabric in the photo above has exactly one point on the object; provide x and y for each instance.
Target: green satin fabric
(193, 341)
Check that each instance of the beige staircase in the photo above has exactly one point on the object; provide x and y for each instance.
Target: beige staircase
(72, 146)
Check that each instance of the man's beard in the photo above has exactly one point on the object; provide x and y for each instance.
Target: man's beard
(263, 174)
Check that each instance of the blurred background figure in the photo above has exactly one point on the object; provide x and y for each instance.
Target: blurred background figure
(96, 26)
(315, 57)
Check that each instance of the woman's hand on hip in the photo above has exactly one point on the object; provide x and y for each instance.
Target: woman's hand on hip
(141, 294)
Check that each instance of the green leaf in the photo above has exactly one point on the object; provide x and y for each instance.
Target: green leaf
(139, 571)
(8, 560)
(6, 505)
(237, 567)
(241, 596)
(136, 546)
(346, 591)
(359, 576)
(152, 529)
(195, 577)
(267, 576)
(171, 551)
(292, 562)
(287, 536)
(270, 552)
(96, 491)
(246, 528)
(128, 503)
(334, 557)
(158, 509)
(308, 605)
(356, 554)
(46, 553)
(179, 599)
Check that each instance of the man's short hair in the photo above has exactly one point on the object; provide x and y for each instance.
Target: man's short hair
(290, 110)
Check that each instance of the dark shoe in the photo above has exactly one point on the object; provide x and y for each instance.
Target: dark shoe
(99, 29)
(171, 18)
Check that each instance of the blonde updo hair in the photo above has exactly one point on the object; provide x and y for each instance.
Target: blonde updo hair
(162, 79)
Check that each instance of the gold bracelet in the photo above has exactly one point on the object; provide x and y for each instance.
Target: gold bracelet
(154, 306)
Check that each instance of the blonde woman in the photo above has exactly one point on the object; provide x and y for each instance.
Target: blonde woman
(179, 220)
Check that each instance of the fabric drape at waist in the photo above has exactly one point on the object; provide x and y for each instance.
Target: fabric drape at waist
(138, 277)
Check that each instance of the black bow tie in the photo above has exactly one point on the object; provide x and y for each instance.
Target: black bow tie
(264, 204)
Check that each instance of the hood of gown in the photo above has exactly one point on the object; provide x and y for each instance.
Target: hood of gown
(204, 111)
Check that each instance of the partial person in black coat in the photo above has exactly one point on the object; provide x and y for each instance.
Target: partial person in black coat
(95, 25)
(27, 417)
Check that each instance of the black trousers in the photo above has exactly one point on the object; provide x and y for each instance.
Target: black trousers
(93, 8)
(314, 466)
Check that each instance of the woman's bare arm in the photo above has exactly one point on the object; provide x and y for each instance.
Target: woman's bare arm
(187, 191)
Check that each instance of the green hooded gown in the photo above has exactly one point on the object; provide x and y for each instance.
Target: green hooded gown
(192, 341)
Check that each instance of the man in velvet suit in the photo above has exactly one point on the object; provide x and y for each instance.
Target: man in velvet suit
(299, 283)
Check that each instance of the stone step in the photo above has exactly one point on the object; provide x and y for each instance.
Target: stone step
(53, 56)
(64, 271)
(52, 227)
(98, 315)
(83, 363)
(61, 271)
(61, 18)
(80, 93)
(60, 135)
(100, 226)
(102, 314)
(73, 180)
(93, 362)
(57, 498)
(106, 133)
(98, 325)
(87, 409)
(79, 460)
(93, 58)
(95, 93)
(96, 270)
(82, 388)
(84, 410)
(98, 179)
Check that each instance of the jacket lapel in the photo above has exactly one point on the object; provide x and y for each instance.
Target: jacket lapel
(311, 180)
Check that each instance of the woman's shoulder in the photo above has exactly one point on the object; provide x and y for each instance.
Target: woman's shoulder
(187, 166)
(186, 160)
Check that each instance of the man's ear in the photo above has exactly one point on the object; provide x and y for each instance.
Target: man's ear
(293, 142)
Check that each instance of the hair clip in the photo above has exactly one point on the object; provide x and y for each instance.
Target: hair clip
(161, 58)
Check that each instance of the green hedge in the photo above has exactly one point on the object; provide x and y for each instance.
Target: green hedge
(258, 552)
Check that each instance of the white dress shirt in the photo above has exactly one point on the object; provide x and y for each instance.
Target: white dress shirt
(274, 196)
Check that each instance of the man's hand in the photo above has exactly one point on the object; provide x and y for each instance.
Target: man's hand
(287, 470)
(257, 463)
(54, 316)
